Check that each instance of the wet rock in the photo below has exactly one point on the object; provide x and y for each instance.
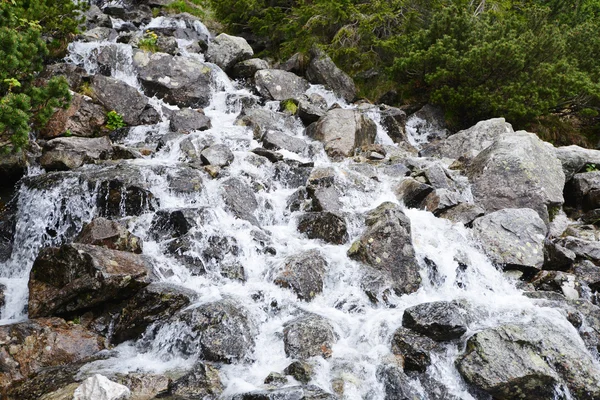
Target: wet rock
(83, 118)
(72, 152)
(76, 277)
(395, 383)
(2, 295)
(95, 17)
(49, 383)
(527, 361)
(276, 379)
(561, 282)
(441, 200)
(574, 159)
(469, 142)
(324, 198)
(276, 140)
(29, 346)
(589, 273)
(291, 173)
(220, 331)
(121, 152)
(439, 320)
(325, 225)
(428, 122)
(188, 120)
(272, 156)
(386, 246)
(226, 51)
(414, 349)
(583, 191)
(98, 34)
(248, 68)
(308, 336)
(583, 249)
(240, 199)
(8, 225)
(463, 213)
(202, 382)
(300, 371)
(12, 167)
(143, 386)
(156, 302)
(303, 274)
(513, 237)
(185, 180)
(309, 392)
(234, 271)
(394, 121)
(322, 70)
(218, 155)
(309, 112)
(99, 387)
(174, 223)
(116, 95)
(262, 121)
(343, 131)
(180, 81)
(517, 170)
(275, 84)
(110, 234)
(557, 257)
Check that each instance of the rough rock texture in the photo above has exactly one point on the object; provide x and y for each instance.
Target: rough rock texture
(226, 51)
(394, 121)
(110, 234)
(275, 84)
(326, 226)
(218, 155)
(308, 336)
(526, 361)
(79, 276)
(188, 120)
(322, 70)
(513, 237)
(248, 68)
(174, 223)
(156, 302)
(99, 387)
(439, 320)
(412, 192)
(583, 191)
(72, 152)
(386, 245)
(415, 349)
(303, 274)
(343, 131)
(220, 331)
(395, 383)
(29, 346)
(262, 121)
(83, 118)
(274, 140)
(116, 95)
(180, 81)
(240, 199)
(309, 392)
(561, 282)
(202, 382)
(518, 170)
(469, 142)
(574, 159)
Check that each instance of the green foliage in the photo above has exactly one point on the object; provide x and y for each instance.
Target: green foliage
(149, 42)
(591, 167)
(114, 120)
(30, 33)
(194, 7)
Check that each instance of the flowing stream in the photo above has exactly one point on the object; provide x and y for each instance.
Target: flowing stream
(51, 216)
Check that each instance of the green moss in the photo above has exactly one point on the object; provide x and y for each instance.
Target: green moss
(289, 106)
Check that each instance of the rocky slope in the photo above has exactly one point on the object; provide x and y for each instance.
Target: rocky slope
(266, 238)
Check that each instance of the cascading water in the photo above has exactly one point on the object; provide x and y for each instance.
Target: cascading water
(51, 216)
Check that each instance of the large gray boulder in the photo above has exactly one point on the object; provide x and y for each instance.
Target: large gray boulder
(248, 68)
(574, 159)
(308, 336)
(528, 361)
(116, 95)
(415, 349)
(513, 237)
(303, 273)
(225, 51)
(262, 121)
(218, 154)
(202, 382)
(518, 170)
(396, 384)
(386, 245)
(240, 199)
(343, 131)
(469, 142)
(324, 225)
(77, 277)
(110, 234)
(275, 84)
(322, 70)
(439, 320)
(180, 81)
(188, 120)
(66, 153)
(583, 191)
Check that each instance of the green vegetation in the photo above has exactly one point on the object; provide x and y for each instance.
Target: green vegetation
(114, 120)
(531, 61)
(31, 33)
(149, 42)
(194, 7)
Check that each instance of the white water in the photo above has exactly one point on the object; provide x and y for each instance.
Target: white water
(50, 217)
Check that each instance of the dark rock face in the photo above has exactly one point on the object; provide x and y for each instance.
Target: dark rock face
(188, 120)
(386, 245)
(513, 361)
(156, 302)
(119, 96)
(226, 51)
(79, 276)
(300, 371)
(177, 80)
(575, 158)
(440, 320)
(342, 132)
(308, 336)
(518, 170)
(275, 84)
(29, 346)
(72, 152)
(583, 191)
(512, 237)
(83, 118)
(396, 383)
(240, 199)
(412, 192)
(322, 70)
(168, 224)
(221, 331)
(394, 121)
(326, 226)
(309, 392)
(202, 382)
(415, 349)
(247, 69)
(303, 274)
(561, 282)
(12, 167)
(110, 234)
